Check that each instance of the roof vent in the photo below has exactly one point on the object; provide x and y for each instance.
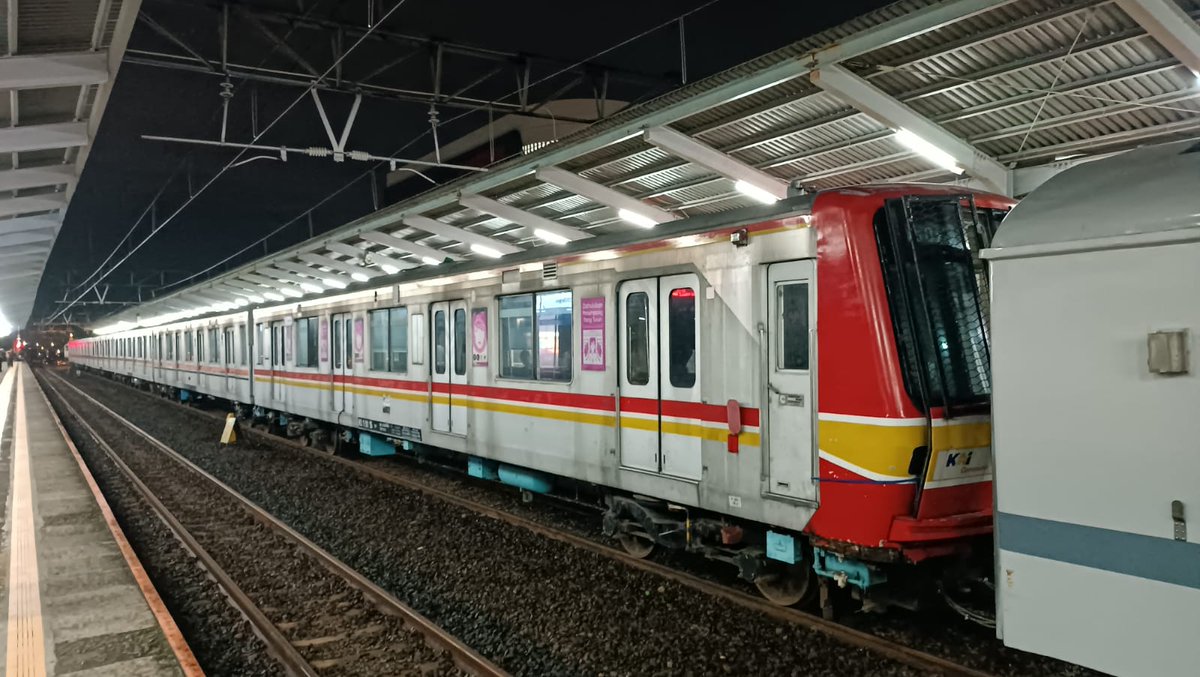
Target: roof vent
(550, 270)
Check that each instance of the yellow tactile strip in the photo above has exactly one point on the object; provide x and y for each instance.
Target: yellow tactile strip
(26, 656)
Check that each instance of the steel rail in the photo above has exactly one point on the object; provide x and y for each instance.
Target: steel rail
(462, 655)
(277, 644)
(887, 648)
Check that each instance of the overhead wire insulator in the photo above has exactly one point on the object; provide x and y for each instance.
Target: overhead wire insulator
(317, 151)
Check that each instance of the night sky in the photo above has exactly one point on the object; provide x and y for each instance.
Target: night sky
(125, 171)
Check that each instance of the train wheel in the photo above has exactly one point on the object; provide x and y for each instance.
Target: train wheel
(639, 547)
(787, 587)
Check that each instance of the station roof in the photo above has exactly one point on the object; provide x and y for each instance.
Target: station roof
(61, 59)
(998, 95)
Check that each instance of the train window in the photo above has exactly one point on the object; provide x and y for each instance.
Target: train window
(379, 340)
(188, 344)
(516, 336)
(306, 342)
(213, 346)
(681, 319)
(793, 325)
(417, 355)
(637, 314)
(398, 340)
(439, 342)
(350, 340)
(460, 341)
(241, 344)
(535, 336)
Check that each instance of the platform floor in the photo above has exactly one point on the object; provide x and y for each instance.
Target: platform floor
(76, 601)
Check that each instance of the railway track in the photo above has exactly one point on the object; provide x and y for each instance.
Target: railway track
(922, 661)
(316, 615)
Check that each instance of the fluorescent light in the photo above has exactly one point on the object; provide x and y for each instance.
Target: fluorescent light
(239, 302)
(310, 287)
(272, 296)
(389, 269)
(484, 250)
(552, 238)
(360, 277)
(333, 283)
(636, 218)
(928, 151)
(429, 260)
(291, 291)
(257, 299)
(752, 191)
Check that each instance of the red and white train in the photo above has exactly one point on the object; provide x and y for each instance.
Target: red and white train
(806, 398)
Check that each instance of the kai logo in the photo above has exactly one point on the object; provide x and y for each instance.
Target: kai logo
(973, 462)
(959, 458)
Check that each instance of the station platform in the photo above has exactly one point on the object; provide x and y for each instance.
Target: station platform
(76, 600)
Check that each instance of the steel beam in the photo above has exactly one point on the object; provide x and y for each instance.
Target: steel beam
(37, 71)
(43, 137)
(1167, 23)
(344, 266)
(31, 204)
(408, 246)
(29, 224)
(866, 97)
(36, 177)
(451, 232)
(522, 218)
(602, 194)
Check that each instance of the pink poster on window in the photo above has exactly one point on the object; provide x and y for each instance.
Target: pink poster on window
(479, 337)
(591, 333)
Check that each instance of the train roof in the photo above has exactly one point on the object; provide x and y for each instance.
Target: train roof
(1143, 195)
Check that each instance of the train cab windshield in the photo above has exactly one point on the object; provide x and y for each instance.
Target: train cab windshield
(937, 293)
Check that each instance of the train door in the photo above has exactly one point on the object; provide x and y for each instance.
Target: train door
(660, 376)
(341, 362)
(790, 343)
(449, 373)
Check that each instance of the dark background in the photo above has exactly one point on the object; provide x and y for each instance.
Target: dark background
(124, 171)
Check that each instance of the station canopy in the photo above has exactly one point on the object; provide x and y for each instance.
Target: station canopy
(994, 95)
(61, 57)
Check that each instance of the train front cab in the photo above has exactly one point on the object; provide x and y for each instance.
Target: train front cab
(904, 387)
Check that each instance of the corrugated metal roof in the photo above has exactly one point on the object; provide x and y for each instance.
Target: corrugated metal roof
(1026, 82)
(45, 27)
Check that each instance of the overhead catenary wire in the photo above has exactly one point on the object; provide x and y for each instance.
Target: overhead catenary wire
(367, 173)
(192, 197)
(226, 94)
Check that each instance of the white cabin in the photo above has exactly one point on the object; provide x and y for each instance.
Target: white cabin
(1095, 283)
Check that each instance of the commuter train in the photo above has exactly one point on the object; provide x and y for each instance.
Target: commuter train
(806, 398)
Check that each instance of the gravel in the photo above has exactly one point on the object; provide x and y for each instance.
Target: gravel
(333, 625)
(220, 638)
(533, 605)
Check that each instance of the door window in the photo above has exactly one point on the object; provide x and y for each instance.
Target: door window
(793, 325)
(637, 319)
(439, 342)
(337, 344)
(460, 341)
(681, 316)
